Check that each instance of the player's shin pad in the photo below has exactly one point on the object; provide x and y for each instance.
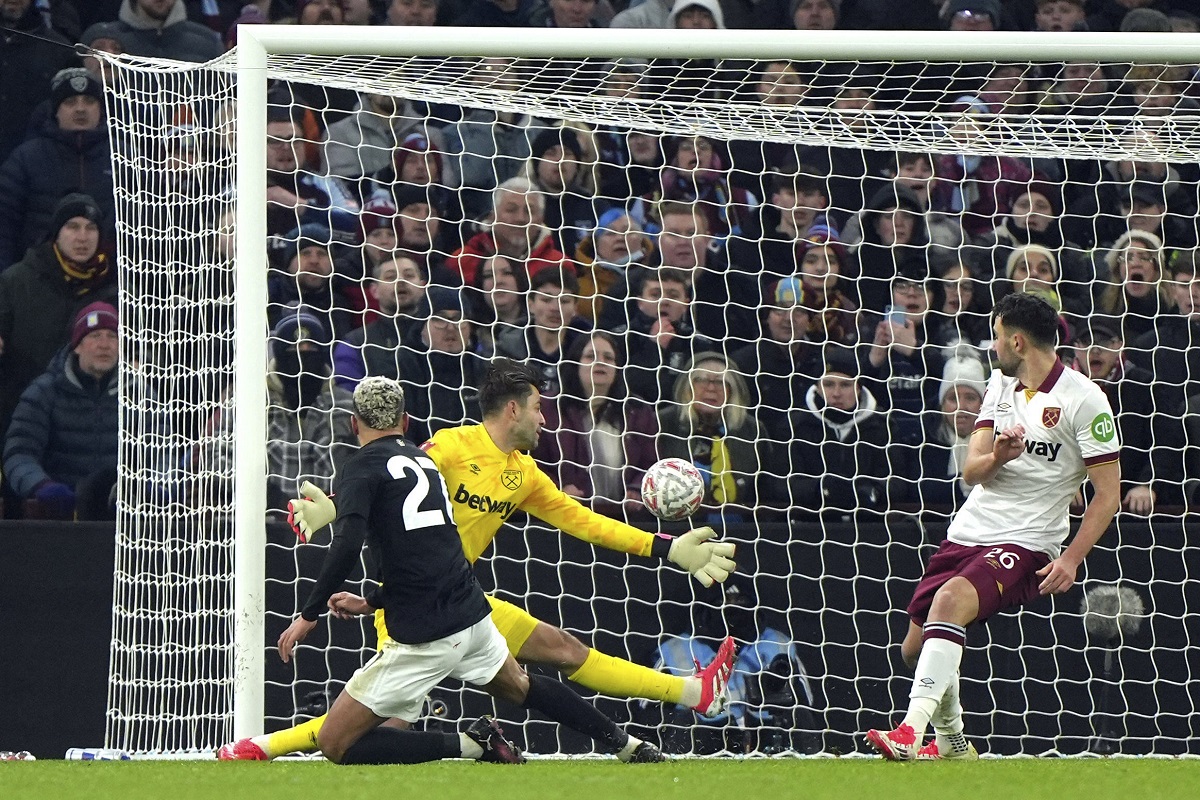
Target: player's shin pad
(948, 719)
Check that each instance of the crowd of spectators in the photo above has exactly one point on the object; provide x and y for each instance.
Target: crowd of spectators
(808, 325)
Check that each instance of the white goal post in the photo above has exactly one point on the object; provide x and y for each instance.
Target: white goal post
(159, 705)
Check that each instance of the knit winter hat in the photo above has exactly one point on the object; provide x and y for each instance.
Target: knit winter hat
(98, 316)
(1015, 257)
(71, 206)
(604, 223)
(442, 298)
(711, 6)
(788, 293)
(1098, 328)
(551, 137)
(914, 269)
(379, 212)
(102, 30)
(405, 195)
(840, 361)
(1151, 194)
(962, 371)
(1144, 239)
(417, 143)
(823, 236)
(1049, 191)
(310, 234)
(74, 81)
(295, 325)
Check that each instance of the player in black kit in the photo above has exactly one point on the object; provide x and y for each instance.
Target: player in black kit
(391, 495)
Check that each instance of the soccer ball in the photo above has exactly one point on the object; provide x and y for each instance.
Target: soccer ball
(672, 489)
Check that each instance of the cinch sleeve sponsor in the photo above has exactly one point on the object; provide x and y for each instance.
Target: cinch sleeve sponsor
(1096, 430)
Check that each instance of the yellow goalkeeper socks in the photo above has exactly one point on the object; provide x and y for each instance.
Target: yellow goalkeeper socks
(299, 739)
(616, 677)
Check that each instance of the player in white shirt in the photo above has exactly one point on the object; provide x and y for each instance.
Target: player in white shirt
(1029, 454)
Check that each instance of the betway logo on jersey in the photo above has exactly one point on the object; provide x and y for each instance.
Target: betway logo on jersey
(481, 502)
(1048, 450)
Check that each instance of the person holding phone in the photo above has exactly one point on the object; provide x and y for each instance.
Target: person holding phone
(903, 370)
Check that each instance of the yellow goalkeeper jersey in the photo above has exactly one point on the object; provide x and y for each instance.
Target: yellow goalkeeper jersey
(486, 486)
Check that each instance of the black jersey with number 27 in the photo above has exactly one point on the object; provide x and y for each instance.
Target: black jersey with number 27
(390, 494)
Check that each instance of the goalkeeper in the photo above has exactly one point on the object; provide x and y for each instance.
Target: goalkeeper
(489, 477)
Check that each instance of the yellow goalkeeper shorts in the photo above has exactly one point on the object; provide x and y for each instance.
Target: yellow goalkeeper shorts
(515, 623)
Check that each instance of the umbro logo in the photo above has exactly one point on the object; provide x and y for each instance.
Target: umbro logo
(475, 469)
(927, 681)
(1004, 407)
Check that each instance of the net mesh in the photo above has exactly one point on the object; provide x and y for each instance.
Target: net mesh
(766, 186)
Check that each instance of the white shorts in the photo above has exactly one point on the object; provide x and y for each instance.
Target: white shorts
(396, 680)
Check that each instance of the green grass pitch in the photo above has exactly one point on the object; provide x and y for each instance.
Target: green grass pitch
(843, 779)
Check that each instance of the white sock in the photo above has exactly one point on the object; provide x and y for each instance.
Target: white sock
(626, 752)
(947, 719)
(469, 747)
(691, 692)
(938, 663)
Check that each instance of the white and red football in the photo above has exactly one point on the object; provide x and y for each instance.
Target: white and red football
(672, 489)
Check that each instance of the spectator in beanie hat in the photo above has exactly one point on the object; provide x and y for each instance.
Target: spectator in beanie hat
(822, 261)
(380, 229)
(69, 153)
(419, 229)
(419, 167)
(303, 275)
(439, 368)
(103, 37)
(73, 82)
(604, 259)
(556, 168)
(308, 417)
(838, 461)
(64, 430)
(40, 296)
(948, 432)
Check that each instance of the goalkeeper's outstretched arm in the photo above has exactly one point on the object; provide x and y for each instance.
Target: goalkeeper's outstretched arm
(708, 561)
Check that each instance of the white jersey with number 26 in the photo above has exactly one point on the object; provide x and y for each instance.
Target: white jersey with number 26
(1069, 427)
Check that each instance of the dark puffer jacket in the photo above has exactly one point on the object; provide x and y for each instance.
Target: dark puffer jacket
(37, 175)
(36, 309)
(440, 389)
(64, 428)
(30, 55)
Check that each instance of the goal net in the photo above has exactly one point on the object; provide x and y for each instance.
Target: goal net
(782, 252)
